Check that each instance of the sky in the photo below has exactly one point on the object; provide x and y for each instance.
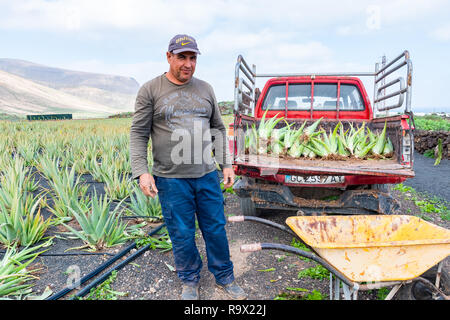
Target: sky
(130, 38)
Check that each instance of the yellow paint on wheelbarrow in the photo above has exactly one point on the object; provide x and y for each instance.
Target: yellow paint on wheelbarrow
(369, 248)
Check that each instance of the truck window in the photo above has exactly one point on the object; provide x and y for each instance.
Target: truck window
(325, 96)
(275, 98)
(351, 98)
(299, 97)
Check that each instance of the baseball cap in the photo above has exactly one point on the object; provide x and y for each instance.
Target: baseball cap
(182, 43)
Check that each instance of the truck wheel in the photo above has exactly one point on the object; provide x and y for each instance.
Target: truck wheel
(248, 207)
(419, 291)
(380, 187)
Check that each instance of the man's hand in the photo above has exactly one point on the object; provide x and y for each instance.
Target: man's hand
(228, 177)
(147, 185)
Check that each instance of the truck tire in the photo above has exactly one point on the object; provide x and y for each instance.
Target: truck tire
(248, 207)
(380, 187)
(418, 291)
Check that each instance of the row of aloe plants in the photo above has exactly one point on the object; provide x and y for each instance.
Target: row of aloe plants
(61, 152)
(359, 143)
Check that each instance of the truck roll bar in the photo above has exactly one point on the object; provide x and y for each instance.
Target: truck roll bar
(405, 87)
(244, 101)
(245, 81)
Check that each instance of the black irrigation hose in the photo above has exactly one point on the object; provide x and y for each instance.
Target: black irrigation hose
(73, 254)
(290, 249)
(312, 256)
(142, 217)
(106, 275)
(263, 221)
(102, 267)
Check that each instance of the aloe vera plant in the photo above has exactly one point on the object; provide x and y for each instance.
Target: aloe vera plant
(117, 185)
(141, 205)
(48, 166)
(380, 142)
(310, 131)
(333, 140)
(27, 150)
(65, 189)
(15, 276)
(17, 177)
(312, 143)
(291, 135)
(266, 126)
(388, 148)
(439, 152)
(264, 132)
(21, 226)
(100, 227)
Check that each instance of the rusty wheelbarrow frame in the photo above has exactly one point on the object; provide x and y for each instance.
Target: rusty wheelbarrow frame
(339, 277)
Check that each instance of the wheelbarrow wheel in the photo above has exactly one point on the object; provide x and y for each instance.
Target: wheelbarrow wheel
(416, 290)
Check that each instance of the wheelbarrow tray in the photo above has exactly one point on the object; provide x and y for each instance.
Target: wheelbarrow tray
(368, 248)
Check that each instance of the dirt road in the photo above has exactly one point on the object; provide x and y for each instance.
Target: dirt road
(429, 178)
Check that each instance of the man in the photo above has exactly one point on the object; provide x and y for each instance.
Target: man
(181, 114)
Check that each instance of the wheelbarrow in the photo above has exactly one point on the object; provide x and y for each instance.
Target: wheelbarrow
(365, 252)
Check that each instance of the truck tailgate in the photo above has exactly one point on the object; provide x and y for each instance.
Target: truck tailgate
(271, 165)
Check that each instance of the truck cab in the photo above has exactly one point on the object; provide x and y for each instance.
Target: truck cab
(316, 186)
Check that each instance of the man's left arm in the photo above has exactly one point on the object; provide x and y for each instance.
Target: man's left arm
(222, 154)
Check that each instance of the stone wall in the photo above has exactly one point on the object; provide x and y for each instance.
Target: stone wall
(426, 139)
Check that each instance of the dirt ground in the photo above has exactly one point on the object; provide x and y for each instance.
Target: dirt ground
(264, 275)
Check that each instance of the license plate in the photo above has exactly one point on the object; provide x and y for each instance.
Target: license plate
(314, 179)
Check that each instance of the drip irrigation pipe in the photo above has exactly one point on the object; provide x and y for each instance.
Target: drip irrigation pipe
(286, 248)
(106, 275)
(73, 254)
(102, 267)
(142, 217)
(306, 254)
(263, 221)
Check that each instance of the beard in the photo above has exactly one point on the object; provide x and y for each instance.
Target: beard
(182, 76)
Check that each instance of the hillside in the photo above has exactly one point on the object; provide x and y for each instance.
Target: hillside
(21, 96)
(61, 78)
(30, 88)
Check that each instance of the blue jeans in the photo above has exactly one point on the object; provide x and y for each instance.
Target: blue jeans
(181, 200)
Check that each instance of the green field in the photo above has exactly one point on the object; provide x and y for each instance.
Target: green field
(432, 122)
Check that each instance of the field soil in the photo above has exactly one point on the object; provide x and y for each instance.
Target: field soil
(264, 275)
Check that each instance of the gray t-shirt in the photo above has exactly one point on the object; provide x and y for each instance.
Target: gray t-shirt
(181, 120)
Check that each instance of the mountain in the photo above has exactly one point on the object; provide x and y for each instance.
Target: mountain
(61, 78)
(27, 87)
(22, 96)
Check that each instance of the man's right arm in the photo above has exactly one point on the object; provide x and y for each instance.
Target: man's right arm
(140, 132)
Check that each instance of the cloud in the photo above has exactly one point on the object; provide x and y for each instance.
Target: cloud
(85, 15)
(365, 17)
(442, 33)
(195, 16)
(277, 36)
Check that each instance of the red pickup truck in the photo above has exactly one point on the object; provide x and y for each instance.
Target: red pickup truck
(313, 187)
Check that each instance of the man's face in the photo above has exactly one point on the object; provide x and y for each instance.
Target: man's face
(182, 65)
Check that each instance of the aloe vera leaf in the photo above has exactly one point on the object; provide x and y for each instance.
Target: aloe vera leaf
(439, 156)
(388, 147)
(363, 152)
(309, 130)
(381, 140)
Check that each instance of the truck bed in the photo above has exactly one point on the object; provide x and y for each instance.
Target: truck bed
(391, 167)
(264, 163)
